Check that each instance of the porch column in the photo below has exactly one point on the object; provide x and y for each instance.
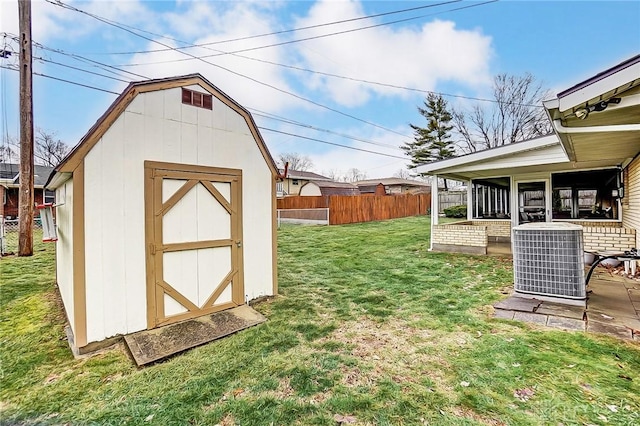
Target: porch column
(435, 206)
(469, 200)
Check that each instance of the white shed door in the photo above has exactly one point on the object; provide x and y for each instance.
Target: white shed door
(194, 241)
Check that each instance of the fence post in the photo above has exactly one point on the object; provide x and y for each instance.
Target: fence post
(3, 242)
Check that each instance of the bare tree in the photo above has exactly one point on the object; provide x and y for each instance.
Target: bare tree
(354, 175)
(8, 154)
(332, 174)
(299, 162)
(516, 115)
(49, 151)
(403, 174)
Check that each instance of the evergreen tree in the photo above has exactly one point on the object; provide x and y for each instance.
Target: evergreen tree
(433, 142)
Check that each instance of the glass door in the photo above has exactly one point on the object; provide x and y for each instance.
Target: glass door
(532, 202)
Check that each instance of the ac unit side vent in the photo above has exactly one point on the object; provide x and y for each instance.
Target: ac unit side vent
(548, 261)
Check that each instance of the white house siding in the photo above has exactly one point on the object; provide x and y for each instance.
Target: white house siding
(548, 155)
(631, 200)
(156, 126)
(64, 247)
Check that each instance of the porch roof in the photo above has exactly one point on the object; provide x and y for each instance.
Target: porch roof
(596, 123)
(544, 154)
(599, 118)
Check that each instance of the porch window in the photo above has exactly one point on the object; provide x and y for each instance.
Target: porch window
(490, 198)
(587, 195)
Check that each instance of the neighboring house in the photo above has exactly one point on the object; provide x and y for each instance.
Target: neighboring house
(323, 187)
(392, 186)
(295, 180)
(587, 172)
(10, 184)
(167, 212)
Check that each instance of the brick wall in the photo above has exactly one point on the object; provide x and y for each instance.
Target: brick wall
(496, 228)
(594, 224)
(460, 237)
(600, 238)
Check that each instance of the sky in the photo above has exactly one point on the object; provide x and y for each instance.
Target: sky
(310, 89)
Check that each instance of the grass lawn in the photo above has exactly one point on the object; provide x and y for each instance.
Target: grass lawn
(369, 328)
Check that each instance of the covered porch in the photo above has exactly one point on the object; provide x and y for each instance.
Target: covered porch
(531, 181)
(587, 172)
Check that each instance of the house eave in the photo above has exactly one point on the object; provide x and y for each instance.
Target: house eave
(439, 167)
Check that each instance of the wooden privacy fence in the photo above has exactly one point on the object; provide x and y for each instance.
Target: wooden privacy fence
(449, 199)
(356, 208)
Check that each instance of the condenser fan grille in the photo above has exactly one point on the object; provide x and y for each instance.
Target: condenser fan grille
(548, 260)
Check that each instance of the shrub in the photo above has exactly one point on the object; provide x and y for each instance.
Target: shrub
(456, 211)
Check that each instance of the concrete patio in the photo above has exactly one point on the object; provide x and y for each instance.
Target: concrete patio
(613, 308)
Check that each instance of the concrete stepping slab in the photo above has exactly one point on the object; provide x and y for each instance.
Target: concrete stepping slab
(153, 345)
(566, 323)
(555, 309)
(503, 314)
(530, 317)
(619, 331)
(515, 303)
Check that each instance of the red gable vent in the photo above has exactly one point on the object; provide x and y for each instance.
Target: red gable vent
(197, 99)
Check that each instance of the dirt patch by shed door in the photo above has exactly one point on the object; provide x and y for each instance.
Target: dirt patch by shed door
(194, 241)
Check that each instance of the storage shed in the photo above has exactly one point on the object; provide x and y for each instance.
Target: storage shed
(166, 211)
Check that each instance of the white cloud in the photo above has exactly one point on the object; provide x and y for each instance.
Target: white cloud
(409, 56)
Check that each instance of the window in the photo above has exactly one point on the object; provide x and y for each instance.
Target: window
(295, 182)
(202, 100)
(49, 197)
(586, 195)
(491, 198)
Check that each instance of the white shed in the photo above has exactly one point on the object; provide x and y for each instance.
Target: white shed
(166, 211)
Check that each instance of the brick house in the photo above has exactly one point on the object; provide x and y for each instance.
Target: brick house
(10, 183)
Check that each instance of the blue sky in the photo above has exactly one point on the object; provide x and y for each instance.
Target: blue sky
(450, 51)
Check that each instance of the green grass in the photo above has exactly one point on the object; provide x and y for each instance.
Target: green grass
(368, 324)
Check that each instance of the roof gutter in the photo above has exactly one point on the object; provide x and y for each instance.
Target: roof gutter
(56, 179)
(560, 128)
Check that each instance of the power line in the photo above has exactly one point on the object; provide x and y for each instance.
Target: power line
(308, 126)
(332, 143)
(99, 18)
(234, 53)
(261, 128)
(80, 69)
(283, 43)
(343, 21)
(65, 81)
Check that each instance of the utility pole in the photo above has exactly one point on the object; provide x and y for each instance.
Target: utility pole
(25, 198)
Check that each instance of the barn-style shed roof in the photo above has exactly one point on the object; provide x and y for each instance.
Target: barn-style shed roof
(72, 160)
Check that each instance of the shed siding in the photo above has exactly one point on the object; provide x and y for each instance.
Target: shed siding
(156, 126)
(310, 189)
(631, 200)
(64, 247)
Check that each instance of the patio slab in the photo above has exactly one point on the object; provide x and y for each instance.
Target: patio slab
(515, 303)
(615, 330)
(612, 308)
(530, 317)
(559, 310)
(503, 314)
(566, 323)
